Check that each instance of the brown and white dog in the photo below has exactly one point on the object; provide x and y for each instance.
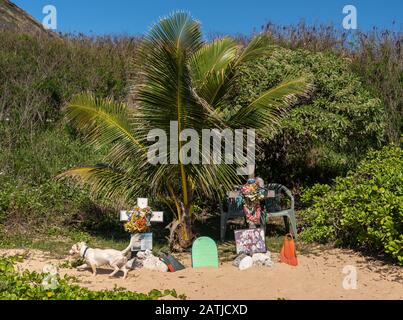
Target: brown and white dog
(95, 258)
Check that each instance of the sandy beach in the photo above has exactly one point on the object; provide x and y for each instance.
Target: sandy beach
(319, 275)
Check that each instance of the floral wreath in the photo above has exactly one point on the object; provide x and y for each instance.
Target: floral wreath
(139, 220)
(252, 196)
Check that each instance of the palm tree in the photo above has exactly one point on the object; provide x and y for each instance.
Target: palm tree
(186, 80)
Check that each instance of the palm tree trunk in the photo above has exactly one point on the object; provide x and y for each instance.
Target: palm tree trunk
(186, 235)
(181, 231)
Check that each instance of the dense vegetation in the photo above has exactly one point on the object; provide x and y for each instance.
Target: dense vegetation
(357, 105)
(375, 56)
(37, 77)
(29, 285)
(324, 136)
(363, 209)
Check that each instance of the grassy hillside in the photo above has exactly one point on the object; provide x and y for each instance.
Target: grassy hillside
(14, 18)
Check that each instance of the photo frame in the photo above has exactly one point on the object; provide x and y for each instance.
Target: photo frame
(250, 241)
(141, 241)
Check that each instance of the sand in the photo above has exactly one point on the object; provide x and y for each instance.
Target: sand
(319, 275)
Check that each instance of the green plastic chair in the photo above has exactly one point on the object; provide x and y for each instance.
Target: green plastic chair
(204, 253)
(272, 207)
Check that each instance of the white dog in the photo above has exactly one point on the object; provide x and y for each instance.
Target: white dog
(99, 257)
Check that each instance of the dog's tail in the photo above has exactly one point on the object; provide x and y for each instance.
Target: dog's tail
(125, 251)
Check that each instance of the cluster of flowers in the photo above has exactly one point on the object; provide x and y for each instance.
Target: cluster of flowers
(139, 220)
(251, 193)
(252, 196)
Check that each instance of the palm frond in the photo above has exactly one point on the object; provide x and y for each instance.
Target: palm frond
(176, 32)
(265, 112)
(209, 67)
(107, 123)
(257, 47)
(214, 67)
(107, 181)
(166, 93)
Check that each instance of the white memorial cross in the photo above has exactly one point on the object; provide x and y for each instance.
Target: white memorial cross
(142, 241)
(156, 216)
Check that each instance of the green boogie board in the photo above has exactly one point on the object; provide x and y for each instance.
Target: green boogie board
(204, 253)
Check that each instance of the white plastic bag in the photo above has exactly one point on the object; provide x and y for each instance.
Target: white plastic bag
(246, 263)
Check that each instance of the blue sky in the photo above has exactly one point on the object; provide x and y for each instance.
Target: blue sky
(224, 16)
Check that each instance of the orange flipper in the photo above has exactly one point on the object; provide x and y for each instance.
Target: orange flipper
(288, 254)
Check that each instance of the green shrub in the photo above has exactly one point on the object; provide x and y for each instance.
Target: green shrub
(31, 200)
(28, 207)
(323, 136)
(28, 286)
(363, 209)
(376, 56)
(54, 208)
(49, 152)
